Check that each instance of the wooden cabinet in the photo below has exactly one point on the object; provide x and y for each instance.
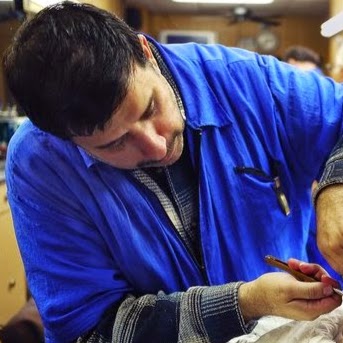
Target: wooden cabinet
(12, 276)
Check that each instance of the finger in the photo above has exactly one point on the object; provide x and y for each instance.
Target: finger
(302, 266)
(294, 263)
(330, 281)
(307, 268)
(312, 269)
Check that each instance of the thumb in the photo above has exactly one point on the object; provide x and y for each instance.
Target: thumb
(315, 290)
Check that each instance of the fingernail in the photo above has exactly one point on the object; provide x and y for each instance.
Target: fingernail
(327, 290)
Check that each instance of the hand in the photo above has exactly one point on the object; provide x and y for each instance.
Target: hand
(280, 294)
(313, 270)
(329, 209)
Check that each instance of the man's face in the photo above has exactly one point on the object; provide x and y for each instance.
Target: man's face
(145, 131)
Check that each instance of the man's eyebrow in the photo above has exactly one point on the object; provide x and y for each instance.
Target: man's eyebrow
(144, 115)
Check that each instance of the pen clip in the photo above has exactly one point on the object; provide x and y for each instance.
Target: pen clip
(281, 196)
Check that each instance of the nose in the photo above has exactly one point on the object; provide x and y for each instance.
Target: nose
(151, 144)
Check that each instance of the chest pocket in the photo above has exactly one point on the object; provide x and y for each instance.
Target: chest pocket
(261, 181)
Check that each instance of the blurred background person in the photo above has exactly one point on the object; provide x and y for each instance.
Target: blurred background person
(303, 58)
(24, 327)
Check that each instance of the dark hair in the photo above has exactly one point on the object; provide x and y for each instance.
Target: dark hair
(70, 66)
(303, 54)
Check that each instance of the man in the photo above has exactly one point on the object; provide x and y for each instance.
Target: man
(151, 178)
(303, 58)
(25, 326)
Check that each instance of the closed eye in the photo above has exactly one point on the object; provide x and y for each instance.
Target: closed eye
(150, 111)
(118, 144)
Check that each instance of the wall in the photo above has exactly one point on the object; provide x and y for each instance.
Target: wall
(114, 6)
(293, 30)
(7, 30)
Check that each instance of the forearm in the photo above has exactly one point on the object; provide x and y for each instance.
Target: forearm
(206, 314)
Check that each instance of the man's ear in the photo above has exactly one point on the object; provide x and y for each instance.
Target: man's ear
(146, 49)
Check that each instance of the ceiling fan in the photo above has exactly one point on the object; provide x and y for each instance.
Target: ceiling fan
(241, 14)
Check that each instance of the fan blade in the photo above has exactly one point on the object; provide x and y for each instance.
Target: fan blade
(264, 20)
(233, 21)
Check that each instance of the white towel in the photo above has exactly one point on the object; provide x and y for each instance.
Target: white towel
(327, 328)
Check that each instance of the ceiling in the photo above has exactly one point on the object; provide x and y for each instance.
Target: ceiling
(278, 7)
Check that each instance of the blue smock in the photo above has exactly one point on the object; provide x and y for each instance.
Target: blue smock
(90, 233)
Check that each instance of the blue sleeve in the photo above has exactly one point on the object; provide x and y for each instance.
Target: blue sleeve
(78, 285)
(308, 114)
(66, 259)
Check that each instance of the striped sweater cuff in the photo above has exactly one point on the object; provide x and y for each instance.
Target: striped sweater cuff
(333, 174)
(221, 314)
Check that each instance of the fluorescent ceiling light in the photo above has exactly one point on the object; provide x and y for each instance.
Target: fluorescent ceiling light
(238, 2)
(44, 3)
